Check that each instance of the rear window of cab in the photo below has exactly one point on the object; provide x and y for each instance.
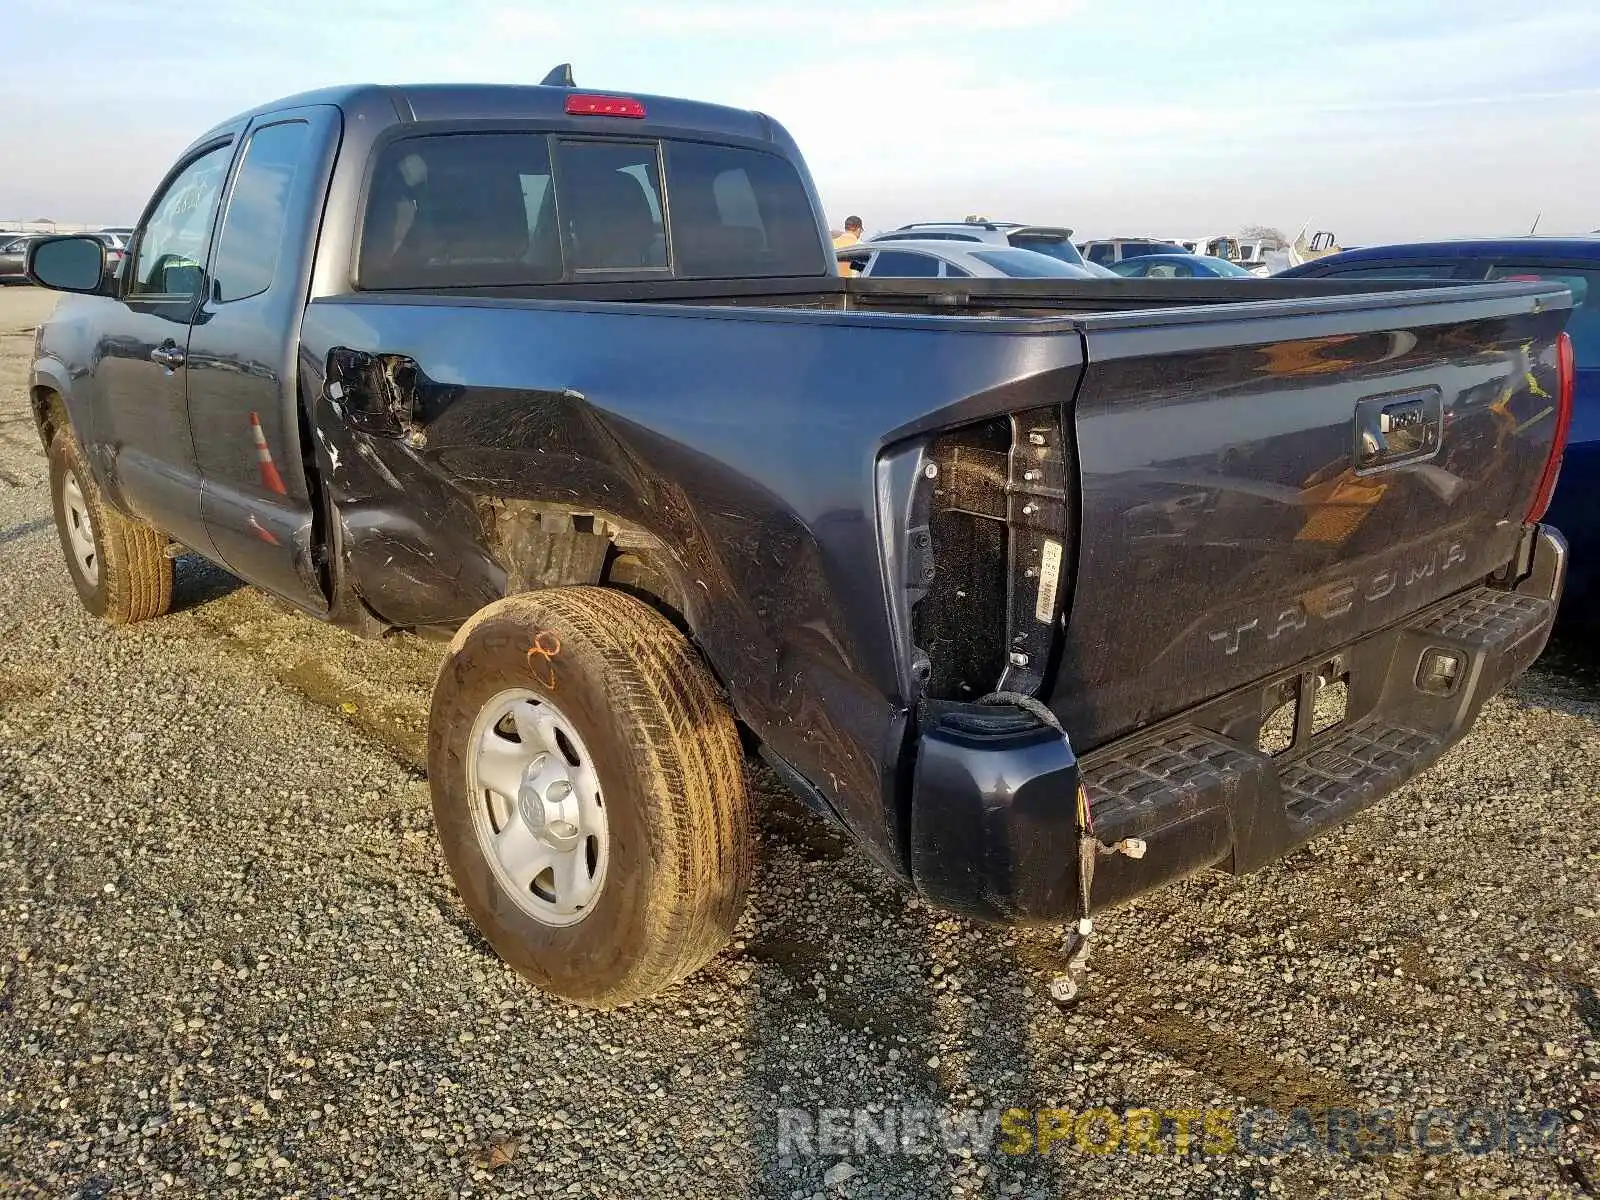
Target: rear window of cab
(494, 209)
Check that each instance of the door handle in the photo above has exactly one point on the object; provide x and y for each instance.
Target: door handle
(1395, 429)
(170, 357)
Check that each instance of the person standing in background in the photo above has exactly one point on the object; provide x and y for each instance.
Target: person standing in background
(851, 234)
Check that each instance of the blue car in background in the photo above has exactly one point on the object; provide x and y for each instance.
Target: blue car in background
(1179, 266)
(1576, 263)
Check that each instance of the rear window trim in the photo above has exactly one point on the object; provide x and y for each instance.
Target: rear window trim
(552, 128)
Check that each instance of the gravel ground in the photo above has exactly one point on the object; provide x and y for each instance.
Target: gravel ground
(231, 961)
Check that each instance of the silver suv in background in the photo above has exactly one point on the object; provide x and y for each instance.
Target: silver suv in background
(1105, 251)
(935, 258)
(1051, 240)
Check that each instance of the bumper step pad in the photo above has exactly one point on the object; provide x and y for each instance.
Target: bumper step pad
(1364, 762)
(1144, 787)
(1189, 781)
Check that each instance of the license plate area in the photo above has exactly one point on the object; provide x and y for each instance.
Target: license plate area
(1300, 707)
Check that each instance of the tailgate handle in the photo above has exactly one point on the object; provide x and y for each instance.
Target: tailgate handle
(1396, 429)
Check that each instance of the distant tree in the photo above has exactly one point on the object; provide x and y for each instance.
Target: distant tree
(1271, 238)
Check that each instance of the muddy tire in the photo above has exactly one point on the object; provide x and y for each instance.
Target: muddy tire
(619, 865)
(118, 564)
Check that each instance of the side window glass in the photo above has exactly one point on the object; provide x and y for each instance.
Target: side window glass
(252, 227)
(609, 197)
(903, 264)
(951, 271)
(172, 245)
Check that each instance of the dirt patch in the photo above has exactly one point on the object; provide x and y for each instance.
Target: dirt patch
(18, 685)
(1257, 1076)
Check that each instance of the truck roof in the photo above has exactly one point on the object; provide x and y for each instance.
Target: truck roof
(463, 101)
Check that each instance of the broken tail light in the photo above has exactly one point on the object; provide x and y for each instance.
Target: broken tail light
(985, 555)
(1566, 381)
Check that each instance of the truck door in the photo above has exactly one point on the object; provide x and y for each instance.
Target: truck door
(260, 511)
(142, 436)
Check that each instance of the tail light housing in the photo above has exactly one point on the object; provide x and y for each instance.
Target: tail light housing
(1566, 382)
(977, 528)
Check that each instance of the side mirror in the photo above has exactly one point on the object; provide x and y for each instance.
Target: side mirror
(68, 264)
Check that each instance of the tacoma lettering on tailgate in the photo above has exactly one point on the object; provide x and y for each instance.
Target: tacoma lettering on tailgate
(1331, 601)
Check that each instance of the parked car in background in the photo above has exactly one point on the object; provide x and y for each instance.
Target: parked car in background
(1574, 262)
(1178, 266)
(125, 232)
(116, 247)
(954, 260)
(1052, 240)
(1113, 250)
(13, 252)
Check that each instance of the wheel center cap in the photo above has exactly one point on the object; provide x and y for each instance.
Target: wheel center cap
(548, 806)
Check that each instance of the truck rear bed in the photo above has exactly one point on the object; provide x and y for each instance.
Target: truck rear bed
(877, 502)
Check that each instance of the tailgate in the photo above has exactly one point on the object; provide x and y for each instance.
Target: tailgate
(1265, 482)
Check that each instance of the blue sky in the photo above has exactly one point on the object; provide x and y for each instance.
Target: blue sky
(1378, 120)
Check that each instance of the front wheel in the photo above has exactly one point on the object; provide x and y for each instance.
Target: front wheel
(118, 565)
(588, 786)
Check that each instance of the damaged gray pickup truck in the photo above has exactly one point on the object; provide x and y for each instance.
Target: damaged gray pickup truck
(1048, 591)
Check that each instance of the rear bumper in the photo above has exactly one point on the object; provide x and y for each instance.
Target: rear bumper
(993, 824)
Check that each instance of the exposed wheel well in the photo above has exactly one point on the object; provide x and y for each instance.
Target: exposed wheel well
(634, 572)
(49, 414)
(545, 545)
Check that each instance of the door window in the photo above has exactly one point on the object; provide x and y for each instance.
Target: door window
(172, 246)
(252, 227)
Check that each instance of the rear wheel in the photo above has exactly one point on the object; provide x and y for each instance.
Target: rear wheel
(588, 785)
(118, 564)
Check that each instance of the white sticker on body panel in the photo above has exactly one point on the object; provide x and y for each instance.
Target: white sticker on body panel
(1049, 580)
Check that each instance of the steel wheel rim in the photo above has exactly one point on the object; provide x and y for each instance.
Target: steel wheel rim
(80, 531)
(537, 810)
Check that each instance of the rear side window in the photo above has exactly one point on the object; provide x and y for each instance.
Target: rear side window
(1584, 324)
(902, 264)
(1102, 253)
(252, 226)
(1025, 264)
(738, 213)
(484, 209)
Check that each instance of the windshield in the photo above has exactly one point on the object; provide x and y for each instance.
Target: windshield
(1055, 247)
(1027, 264)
